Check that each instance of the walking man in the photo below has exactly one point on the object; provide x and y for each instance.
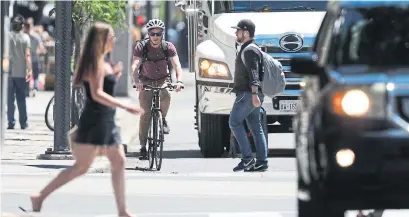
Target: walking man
(20, 72)
(37, 48)
(150, 66)
(249, 98)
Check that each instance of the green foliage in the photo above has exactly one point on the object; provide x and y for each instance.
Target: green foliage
(112, 12)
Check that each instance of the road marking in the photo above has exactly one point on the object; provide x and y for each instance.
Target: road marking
(219, 214)
(248, 214)
(388, 213)
(167, 194)
(280, 174)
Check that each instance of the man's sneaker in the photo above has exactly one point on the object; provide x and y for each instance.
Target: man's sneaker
(24, 126)
(257, 168)
(165, 126)
(10, 127)
(143, 154)
(243, 165)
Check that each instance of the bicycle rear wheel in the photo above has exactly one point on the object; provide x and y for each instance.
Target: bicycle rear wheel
(159, 141)
(49, 121)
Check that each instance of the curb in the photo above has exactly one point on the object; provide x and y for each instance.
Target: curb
(54, 157)
(7, 214)
(98, 166)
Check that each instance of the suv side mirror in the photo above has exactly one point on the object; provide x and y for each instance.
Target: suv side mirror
(306, 65)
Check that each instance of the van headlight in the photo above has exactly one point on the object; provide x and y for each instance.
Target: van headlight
(363, 101)
(213, 69)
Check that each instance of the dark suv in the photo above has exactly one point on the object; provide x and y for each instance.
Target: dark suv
(352, 128)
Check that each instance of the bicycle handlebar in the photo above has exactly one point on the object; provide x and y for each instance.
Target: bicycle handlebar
(168, 86)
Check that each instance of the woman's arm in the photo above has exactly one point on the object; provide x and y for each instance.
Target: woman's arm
(97, 92)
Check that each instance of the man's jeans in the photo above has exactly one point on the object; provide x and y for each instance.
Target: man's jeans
(36, 66)
(243, 109)
(17, 88)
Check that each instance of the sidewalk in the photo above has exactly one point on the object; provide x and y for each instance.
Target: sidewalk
(23, 146)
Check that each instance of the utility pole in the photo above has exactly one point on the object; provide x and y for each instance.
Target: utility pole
(63, 74)
(4, 56)
(148, 10)
(63, 52)
(167, 19)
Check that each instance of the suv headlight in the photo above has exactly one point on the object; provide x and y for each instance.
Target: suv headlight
(360, 101)
(213, 69)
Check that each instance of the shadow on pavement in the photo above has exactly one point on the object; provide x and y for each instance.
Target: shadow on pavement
(173, 154)
(142, 169)
(48, 166)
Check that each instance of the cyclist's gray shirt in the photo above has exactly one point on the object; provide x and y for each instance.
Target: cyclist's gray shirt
(18, 43)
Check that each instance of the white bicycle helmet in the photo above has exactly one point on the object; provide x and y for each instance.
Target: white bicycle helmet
(155, 23)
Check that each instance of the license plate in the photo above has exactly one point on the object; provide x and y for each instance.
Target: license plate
(288, 105)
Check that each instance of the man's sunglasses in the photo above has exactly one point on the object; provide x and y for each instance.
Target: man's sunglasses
(155, 34)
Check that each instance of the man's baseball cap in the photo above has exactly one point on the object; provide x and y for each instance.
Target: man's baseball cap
(246, 24)
(18, 19)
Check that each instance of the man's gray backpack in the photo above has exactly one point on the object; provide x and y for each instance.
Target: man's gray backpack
(273, 78)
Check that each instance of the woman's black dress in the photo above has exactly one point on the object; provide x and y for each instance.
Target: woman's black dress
(97, 122)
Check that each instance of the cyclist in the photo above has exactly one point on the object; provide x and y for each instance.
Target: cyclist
(150, 66)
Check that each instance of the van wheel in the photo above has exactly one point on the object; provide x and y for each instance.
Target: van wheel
(214, 135)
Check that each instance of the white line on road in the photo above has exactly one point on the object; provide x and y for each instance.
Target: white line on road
(218, 214)
(279, 174)
(387, 213)
(249, 214)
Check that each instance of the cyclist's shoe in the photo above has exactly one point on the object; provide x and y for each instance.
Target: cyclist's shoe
(143, 154)
(165, 126)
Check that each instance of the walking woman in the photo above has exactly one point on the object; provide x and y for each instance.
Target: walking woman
(97, 132)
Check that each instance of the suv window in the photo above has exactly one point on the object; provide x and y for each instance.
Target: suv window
(373, 36)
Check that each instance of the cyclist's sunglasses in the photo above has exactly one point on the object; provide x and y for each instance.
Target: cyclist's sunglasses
(156, 34)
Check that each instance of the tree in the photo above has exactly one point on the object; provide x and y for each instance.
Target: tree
(86, 11)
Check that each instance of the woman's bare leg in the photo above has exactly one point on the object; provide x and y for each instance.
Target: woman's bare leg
(85, 155)
(116, 156)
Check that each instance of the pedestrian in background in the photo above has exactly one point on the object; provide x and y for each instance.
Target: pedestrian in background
(249, 98)
(97, 132)
(20, 72)
(37, 48)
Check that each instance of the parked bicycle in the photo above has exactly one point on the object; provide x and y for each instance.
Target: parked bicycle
(77, 102)
(156, 135)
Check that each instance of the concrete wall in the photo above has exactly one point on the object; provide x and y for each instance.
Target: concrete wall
(122, 52)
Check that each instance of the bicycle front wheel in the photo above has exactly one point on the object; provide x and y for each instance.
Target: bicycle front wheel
(151, 141)
(159, 141)
(49, 119)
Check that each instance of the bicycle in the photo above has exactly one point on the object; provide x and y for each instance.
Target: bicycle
(77, 106)
(156, 135)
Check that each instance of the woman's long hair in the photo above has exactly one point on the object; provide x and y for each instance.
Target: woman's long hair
(92, 51)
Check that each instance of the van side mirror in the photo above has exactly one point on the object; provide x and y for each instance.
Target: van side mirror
(205, 21)
(306, 65)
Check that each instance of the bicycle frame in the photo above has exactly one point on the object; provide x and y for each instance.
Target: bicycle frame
(156, 95)
(155, 140)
